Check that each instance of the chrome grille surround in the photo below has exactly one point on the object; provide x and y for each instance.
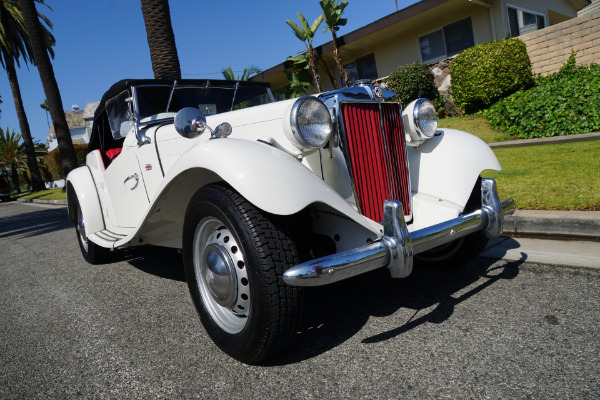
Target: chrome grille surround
(384, 129)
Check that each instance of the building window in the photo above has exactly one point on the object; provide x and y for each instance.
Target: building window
(448, 41)
(362, 68)
(522, 22)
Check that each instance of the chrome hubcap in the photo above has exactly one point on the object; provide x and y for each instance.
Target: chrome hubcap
(221, 274)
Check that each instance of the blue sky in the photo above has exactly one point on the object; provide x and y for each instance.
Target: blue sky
(101, 42)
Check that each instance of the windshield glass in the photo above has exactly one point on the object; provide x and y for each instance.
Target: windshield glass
(152, 101)
(119, 114)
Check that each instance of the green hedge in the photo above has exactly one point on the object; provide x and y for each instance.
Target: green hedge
(411, 82)
(563, 103)
(485, 73)
(54, 162)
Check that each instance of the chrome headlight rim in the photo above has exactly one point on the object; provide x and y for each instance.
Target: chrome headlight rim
(417, 114)
(303, 140)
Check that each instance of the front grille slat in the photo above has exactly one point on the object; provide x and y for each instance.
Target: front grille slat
(367, 153)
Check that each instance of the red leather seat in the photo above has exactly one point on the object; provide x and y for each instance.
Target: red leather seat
(112, 153)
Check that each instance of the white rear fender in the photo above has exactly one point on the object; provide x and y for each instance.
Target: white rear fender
(81, 188)
(450, 172)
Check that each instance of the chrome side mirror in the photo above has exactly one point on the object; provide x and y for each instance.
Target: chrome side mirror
(190, 122)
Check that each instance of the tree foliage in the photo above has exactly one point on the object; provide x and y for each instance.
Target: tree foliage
(299, 75)
(13, 155)
(15, 44)
(332, 14)
(39, 47)
(306, 34)
(248, 72)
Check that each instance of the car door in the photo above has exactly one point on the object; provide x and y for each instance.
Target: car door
(126, 189)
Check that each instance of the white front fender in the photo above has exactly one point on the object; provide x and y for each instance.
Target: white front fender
(447, 166)
(269, 178)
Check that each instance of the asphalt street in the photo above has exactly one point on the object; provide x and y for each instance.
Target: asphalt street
(127, 329)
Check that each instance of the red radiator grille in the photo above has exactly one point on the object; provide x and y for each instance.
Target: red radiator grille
(371, 173)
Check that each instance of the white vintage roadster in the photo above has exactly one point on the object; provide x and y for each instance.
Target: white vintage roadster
(266, 197)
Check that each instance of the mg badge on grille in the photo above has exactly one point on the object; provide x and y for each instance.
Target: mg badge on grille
(378, 92)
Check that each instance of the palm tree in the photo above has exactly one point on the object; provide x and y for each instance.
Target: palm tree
(246, 74)
(39, 41)
(332, 13)
(306, 34)
(44, 107)
(161, 40)
(14, 44)
(12, 155)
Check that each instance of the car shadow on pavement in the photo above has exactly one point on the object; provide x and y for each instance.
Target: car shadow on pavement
(34, 223)
(335, 313)
(163, 262)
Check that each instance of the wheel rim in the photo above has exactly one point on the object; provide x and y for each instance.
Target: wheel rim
(220, 270)
(81, 229)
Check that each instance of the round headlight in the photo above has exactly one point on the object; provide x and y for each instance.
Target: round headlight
(425, 118)
(310, 122)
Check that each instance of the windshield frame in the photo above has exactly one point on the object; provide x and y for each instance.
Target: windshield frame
(169, 118)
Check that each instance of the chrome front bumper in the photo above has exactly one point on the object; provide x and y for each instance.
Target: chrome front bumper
(397, 247)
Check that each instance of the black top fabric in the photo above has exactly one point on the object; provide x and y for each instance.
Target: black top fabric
(125, 84)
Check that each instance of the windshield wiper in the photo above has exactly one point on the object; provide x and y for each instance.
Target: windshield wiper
(171, 95)
(237, 85)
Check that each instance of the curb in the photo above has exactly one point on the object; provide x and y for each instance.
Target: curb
(582, 137)
(580, 225)
(41, 201)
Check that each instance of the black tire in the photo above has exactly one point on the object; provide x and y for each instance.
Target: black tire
(460, 251)
(234, 257)
(91, 252)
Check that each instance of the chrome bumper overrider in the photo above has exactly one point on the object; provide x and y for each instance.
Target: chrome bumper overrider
(397, 247)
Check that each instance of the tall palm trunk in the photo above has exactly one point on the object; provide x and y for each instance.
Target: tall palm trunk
(44, 66)
(338, 60)
(36, 178)
(161, 40)
(314, 67)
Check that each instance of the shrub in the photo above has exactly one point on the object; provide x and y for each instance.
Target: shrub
(54, 162)
(411, 82)
(564, 103)
(485, 73)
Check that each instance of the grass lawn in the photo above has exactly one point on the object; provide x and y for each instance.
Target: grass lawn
(50, 194)
(550, 177)
(476, 125)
